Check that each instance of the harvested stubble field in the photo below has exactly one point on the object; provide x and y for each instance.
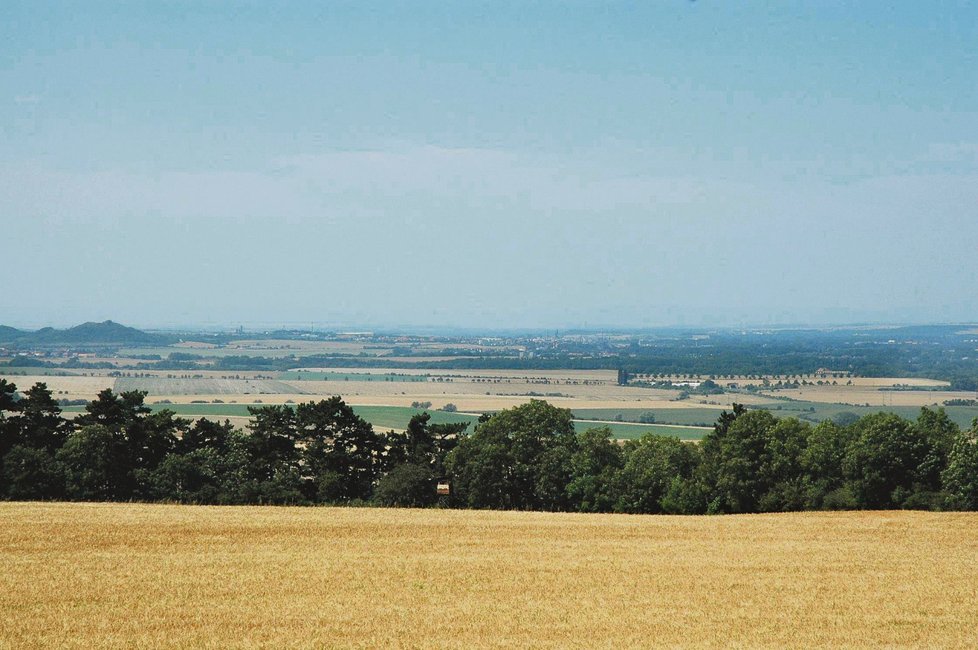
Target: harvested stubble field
(123, 575)
(205, 386)
(872, 396)
(67, 387)
(874, 382)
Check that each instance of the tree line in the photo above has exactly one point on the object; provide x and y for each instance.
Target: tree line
(529, 458)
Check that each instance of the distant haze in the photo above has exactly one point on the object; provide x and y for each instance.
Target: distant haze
(501, 165)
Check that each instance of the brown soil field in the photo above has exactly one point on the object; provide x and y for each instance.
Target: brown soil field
(126, 575)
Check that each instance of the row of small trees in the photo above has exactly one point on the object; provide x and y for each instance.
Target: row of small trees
(529, 457)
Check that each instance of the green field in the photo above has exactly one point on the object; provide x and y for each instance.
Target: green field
(816, 412)
(688, 417)
(631, 431)
(32, 370)
(293, 375)
(809, 411)
(397, 417)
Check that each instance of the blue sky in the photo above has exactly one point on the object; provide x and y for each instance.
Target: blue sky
(489, 164)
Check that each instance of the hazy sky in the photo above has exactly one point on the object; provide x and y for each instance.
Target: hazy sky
(488, 164)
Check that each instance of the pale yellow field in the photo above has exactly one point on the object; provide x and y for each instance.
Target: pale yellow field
(72, 387)
(82, 575)
(894, 381)
(196, 345)
(860, 395)
(238, 421)
(856, 381)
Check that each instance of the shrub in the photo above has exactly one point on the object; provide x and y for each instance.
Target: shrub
(406, 485)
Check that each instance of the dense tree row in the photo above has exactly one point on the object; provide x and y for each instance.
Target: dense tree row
(529, 457)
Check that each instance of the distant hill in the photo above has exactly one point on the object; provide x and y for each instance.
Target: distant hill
(9, 333)
(105, 333)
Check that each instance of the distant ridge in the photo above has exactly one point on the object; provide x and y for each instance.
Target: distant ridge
(8, 333)
(106, 332)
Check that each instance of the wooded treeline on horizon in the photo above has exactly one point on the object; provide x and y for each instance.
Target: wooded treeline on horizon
(528, 457)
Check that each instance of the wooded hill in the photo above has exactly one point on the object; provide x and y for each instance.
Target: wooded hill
(104, 333)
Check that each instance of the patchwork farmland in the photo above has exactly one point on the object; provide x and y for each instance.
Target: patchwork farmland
(390, 395)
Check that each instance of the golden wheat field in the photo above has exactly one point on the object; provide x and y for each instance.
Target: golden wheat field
(86, 575)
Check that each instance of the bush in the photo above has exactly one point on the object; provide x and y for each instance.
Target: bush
(845, 418)
(407, 485)
(31, 474)
(840, 499)
(927, 500)
(647, 418)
